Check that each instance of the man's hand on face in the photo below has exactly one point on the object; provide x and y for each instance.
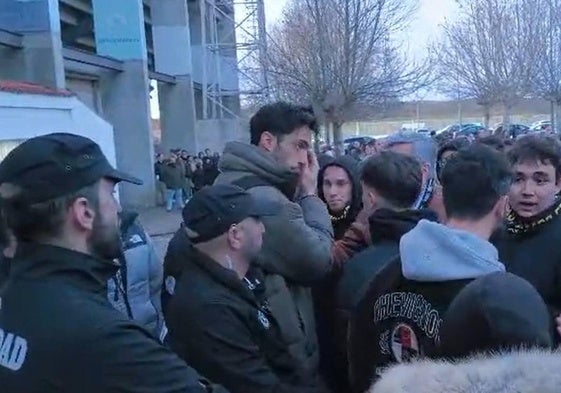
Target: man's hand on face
(309, 175)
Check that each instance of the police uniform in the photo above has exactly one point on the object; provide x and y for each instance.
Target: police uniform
(58, 332)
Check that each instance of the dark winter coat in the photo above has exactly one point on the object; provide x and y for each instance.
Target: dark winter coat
(223, 326)
(61, 334)
(528, 249)
(173, 175)
(399, 317)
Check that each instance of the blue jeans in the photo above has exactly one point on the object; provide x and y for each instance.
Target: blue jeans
(172, 195)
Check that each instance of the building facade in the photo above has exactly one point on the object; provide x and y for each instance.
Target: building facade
(110, 53)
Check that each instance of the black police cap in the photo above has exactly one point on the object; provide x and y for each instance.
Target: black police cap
(214, 209)
(58, 164)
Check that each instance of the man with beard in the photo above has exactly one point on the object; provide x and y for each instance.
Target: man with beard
(218, 317)
(533, 227)
(279, 166)
(58, 332)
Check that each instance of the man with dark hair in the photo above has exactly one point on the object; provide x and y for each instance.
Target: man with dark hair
(58, 332)
(534, 223)
(391, 183)
(400, 315)
(447, 150)
(493, 141)
(423, 149)
(280, 166)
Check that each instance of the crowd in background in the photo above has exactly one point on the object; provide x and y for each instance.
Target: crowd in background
(179, 175)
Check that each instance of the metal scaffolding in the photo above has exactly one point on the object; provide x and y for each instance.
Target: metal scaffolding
(234, 41)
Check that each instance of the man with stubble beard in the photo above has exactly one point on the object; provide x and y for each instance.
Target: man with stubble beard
(58, 331)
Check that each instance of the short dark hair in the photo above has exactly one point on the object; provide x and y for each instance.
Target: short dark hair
(453, 145)
(396, 177)
(473, 181)
(537, 148)
(45, 219)
(280, 118)
(493, 141)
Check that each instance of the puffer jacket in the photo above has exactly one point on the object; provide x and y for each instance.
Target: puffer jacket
(513, 372)
(296, 247)
(136, 287)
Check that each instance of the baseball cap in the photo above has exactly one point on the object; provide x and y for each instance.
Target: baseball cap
(214, 209)
(494, 312)
(54, 165)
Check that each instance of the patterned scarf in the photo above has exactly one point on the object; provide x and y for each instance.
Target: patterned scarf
(517, 225)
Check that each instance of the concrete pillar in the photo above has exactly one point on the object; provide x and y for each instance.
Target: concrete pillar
(172, 53)
(40, 61)
(119, 33)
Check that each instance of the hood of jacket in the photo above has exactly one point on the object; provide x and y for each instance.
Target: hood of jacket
(252, 160)
(387, 224)
(351, 166)
(432, 252)
(514, 372)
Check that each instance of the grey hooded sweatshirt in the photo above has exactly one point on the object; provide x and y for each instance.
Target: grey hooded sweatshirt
(432, 252)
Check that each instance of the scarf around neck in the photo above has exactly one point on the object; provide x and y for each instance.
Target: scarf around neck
(517, 225)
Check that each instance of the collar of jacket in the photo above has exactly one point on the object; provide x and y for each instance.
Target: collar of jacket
(251, 159)
(228, 278)
(520, 226)
(39, 261)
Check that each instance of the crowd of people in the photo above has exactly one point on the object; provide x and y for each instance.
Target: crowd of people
(179, 175)
(419, 265)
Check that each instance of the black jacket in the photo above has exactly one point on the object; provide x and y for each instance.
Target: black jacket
(386, 229)
(528, 248)
(331, 356)
(397, 320)
(399, 316)
(62, 334)
(4, 269)
(222, 326)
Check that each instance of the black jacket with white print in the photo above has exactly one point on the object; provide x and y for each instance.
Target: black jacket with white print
(223, 327)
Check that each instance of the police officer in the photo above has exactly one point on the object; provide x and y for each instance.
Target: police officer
(58, 332)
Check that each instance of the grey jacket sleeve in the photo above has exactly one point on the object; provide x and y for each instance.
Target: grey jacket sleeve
(297, 243)
(156, 269)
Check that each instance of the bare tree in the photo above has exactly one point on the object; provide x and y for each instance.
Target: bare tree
(339, 55)
(547, 81)
(489, 53)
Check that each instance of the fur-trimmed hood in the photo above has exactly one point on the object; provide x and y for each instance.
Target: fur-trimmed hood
(532, 371)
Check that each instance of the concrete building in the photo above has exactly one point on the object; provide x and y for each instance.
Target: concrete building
(107, 52)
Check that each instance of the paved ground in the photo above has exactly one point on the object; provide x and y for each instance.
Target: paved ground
(161, 226)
